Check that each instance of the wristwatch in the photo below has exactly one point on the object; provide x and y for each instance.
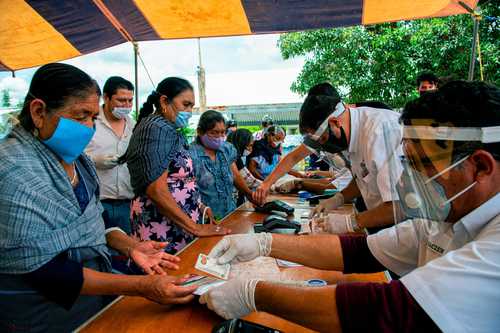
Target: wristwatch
(354, 223)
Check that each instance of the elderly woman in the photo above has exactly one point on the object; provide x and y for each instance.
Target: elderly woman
(168, 205)
(215, 165)
(266, 152)
(53, 256)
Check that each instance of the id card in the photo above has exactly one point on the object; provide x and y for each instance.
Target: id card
(210, 266)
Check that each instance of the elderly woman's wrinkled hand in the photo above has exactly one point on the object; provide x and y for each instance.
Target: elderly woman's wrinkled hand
(151, 257)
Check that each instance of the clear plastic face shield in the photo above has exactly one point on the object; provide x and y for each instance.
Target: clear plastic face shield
(339, 109)
(326, 147)
(428, 156)
(337, 162)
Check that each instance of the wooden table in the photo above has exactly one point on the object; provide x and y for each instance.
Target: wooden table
(136, 314)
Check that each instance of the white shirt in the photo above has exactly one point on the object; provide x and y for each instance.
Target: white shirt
(369, 154)
(452, 270)
(115, 182)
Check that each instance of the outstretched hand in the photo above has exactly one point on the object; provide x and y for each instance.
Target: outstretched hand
(151, 257)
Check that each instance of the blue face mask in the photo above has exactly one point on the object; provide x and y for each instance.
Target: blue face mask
(69, 139)
(424, 197)
(182, 119)
(421, 199)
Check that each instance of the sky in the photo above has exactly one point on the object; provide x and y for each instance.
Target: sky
(238, 70)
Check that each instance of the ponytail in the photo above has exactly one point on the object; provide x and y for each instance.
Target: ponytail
(151, 104)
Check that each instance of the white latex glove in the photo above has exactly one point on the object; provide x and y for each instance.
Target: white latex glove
(106, 161)
(240, 248)
(326, 205)
(233, 299)
(336, 223)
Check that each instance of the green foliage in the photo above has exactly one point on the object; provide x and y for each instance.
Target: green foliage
(5, 98)
(381, 62)
(252, 129)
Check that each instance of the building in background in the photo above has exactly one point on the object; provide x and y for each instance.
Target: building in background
(283, 114)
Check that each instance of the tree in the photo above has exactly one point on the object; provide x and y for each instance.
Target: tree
(5, 98)
(381, 62)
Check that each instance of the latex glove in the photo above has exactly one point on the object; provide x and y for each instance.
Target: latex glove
(240, 248)
(233, 299)
(106, 161)
(326, 205)
(337, 223)
(150, 256)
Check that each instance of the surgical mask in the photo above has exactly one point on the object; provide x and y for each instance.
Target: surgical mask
(246, 152)
(121, 112)
(211, 143)
(69, 139)
(182, 119)
(424, 197)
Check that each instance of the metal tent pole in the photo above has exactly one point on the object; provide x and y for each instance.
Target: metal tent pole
(136, 78)
(201, 81)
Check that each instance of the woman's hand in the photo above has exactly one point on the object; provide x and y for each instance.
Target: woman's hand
(151, 257)
(204, 230)
(261, 193)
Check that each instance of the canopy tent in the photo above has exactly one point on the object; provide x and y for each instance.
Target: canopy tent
(36, 32)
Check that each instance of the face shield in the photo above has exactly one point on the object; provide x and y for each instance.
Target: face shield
(429, 154)
(337, 162)
(323, 138)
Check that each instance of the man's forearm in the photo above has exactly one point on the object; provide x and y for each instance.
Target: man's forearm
(315, 308)
(317, 251)
(351, 191)
(379, 216)
(99, 283)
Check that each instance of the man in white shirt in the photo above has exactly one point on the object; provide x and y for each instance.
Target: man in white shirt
(330, 126)
(113, 132)
(448, 255)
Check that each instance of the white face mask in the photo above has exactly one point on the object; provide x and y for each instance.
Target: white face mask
(246, 152)
(121, 112)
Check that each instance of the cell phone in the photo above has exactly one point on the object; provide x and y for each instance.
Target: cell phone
(242, 326)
